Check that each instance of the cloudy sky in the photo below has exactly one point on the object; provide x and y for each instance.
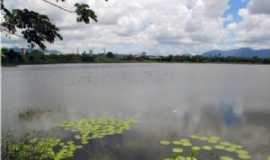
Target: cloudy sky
(158, 26)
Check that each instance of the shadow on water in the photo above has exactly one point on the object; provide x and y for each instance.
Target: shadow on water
(125, 146)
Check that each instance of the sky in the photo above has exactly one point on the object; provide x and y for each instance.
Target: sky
(158, 27)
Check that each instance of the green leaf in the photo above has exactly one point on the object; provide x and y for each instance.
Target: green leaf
(165, 142)
(226, 158)
(84, 13)
(177, 150)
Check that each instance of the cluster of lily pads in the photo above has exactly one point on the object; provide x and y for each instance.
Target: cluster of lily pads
(198, 147)
(56, 149)
(93, 128)
(83, 131)
(40, 149)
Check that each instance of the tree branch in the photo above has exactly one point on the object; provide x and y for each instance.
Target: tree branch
(57, 6)
(3, 29)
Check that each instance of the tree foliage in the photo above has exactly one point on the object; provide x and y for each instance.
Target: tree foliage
(84, 13)
(37, 29)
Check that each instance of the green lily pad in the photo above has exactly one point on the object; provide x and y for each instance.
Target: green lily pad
(195, 137)
(230, 149)
(244, 156)
(177, 150)
(226, 158)
(208, 148)
(196, 148)
(242, 151)
(220, 147)
(77, 136)
(94, 128)
(165, 142)
(176, 142)
(188, 144)
(225, 143)
(191, 158)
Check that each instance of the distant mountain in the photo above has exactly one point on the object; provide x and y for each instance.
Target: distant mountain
(241, 52)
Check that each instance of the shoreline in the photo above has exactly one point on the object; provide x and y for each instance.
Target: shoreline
(229, 63)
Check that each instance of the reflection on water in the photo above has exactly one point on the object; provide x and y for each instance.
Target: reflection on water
(168, 101)
(229, 114)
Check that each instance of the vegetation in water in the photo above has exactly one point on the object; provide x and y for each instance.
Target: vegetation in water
(201, 147)
(93, 128)
(36, 112)
(50, 148)
(40, 149)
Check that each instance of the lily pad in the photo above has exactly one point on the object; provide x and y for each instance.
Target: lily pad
(196, 148)
(226, 158)
(176, 142)
(165, 142)
(177, 150)
(208, 148)
(191, 158)
(244, 156)
(220, 147)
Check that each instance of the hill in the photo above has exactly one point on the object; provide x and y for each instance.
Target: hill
(241, 52)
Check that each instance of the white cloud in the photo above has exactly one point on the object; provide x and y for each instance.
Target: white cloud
(253, 29)
(259, 6)
(156, 26)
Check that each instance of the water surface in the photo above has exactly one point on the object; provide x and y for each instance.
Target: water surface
(167, 100)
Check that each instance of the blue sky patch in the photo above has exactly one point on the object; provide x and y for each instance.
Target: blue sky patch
(235, 6)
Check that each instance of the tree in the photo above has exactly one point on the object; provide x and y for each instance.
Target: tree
(37, 28)
(87, 58)
(110, 55)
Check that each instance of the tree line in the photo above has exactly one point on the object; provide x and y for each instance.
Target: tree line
(11, 57)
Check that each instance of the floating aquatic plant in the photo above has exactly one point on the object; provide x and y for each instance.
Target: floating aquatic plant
(165, 142)
(56, 149)
(177, 150)
(226, 158)
(40, 149)
(194, 146)
(208, 148)
(36, 112)
(93, 128)
(185, 142)
(244, 156)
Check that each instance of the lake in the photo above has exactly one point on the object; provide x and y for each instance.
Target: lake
(167, 100)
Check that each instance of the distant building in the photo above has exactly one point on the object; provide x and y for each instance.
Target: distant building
(152, 57)
(90, 52)
(23, 51)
